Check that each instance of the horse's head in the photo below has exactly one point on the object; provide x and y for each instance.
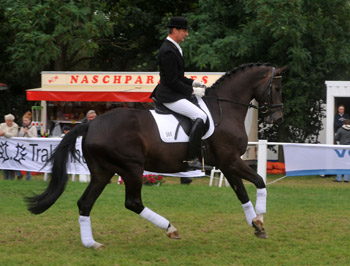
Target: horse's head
(270, 96)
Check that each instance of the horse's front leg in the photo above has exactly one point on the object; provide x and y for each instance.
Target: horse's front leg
(133, 202)
(234, 173)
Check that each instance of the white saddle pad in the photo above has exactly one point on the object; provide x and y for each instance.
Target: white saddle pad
(167, 125)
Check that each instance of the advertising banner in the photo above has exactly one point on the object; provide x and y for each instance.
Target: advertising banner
(31, 154)
(316, 159)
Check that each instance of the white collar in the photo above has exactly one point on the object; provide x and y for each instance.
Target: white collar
(347, 127)
(175, 43)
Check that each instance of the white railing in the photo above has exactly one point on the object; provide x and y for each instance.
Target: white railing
(261, 162)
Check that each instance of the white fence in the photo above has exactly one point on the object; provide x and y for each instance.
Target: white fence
(262, 161)
(30, 154)
(304, 159)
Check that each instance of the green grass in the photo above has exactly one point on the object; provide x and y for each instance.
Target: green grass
(307, 223)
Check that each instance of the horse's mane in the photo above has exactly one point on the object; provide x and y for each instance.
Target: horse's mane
(235, 70)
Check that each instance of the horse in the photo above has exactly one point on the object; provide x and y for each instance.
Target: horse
(126, 141)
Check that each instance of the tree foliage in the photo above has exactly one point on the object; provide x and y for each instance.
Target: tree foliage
(138, 31)
(309, 36)
(55, 34)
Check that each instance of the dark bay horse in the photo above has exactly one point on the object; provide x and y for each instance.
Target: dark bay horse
(127, 142)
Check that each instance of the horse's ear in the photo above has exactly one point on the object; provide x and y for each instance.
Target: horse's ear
(281, 70)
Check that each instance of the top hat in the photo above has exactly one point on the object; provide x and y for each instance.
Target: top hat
(178, 23)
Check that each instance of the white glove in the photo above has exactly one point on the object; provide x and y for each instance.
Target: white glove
(198, 84)
(199, 91)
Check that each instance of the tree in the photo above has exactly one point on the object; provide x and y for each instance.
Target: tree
(310, 36)
(11, 100)
(139, 28)
(54, 34)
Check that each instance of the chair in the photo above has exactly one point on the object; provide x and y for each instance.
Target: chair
(214, 175)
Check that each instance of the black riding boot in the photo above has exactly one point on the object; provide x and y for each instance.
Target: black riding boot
(194, 146)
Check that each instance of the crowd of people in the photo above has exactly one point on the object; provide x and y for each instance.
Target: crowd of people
(10, 129)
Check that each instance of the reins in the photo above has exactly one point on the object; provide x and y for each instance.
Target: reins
(250, 105)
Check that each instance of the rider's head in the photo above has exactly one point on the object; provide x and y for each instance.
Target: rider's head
(178, 29)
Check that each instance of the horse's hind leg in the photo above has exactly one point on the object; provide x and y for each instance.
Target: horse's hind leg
(133, 202)
(85, 204)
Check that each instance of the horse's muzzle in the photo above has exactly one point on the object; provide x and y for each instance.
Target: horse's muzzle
(274, 118)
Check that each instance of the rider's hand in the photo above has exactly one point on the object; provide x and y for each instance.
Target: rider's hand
(199, 91)
(198, 84)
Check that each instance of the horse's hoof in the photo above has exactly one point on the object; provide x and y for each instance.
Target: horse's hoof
(259, 234)
(259, 229)
(174, 235)
(98, 246)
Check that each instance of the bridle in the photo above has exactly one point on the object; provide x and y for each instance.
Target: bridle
(265, 108)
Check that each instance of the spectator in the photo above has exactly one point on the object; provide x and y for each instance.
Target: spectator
(27, 131)
(343, 136)
(9, 129)
(90, 115)
(340, 118)
(65, 129)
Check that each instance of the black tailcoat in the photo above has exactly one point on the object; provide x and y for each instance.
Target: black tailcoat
(173, 84)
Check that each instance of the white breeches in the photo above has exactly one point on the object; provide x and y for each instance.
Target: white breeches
(188, 109)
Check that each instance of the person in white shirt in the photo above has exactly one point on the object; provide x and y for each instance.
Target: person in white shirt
(9, 129)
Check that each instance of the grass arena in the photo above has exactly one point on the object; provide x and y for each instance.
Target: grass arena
(306, 222)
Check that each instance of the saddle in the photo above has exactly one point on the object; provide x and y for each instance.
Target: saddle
(183, 121)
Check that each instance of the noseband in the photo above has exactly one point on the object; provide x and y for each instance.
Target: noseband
(265, 108)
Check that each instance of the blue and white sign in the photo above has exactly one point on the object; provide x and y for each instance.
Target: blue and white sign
(316, 159)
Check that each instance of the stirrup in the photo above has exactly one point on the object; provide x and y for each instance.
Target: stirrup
(196, 165)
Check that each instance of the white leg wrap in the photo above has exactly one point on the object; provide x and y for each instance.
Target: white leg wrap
(154, 218)
(260, 205)
(249, 212)
(86, 232)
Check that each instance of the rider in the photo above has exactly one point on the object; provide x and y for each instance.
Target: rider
(175, 90)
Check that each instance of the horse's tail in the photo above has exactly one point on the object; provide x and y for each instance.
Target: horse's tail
(40, 203)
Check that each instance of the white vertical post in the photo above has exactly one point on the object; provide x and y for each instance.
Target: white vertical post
(43, 117)
(262, 158)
